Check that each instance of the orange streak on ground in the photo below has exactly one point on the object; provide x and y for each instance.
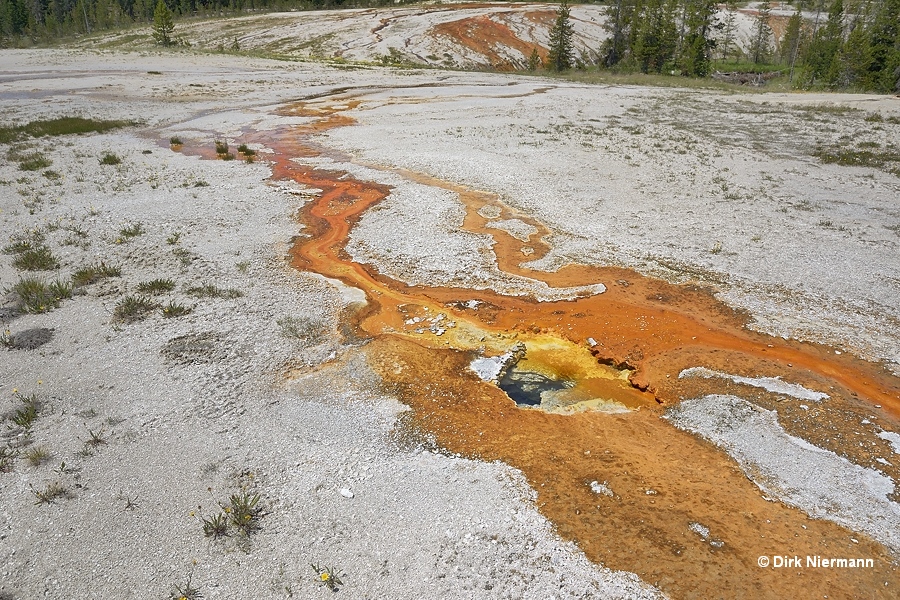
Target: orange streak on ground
(663, 480)
(487, 37)
(657, 328)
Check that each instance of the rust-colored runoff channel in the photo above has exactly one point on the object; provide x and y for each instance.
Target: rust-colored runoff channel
(662, 481)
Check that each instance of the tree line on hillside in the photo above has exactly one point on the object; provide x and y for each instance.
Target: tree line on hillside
(44, 20)
(837, 45)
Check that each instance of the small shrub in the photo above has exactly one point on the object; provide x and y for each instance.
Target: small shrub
(183, 255)
(27, 414)
(52, 175)
(133, 308)
(246, 150)
(110, 159)
(211, 291)
(60, 289)
(156, 286)
(227, 156)
(173, 239)
(185, 592)
(242, 266)
(221, 147)
(330, 577)
(37, 258)
(38, 455)
(94, 273)
(131, 502)
(37, 296)
(175, 141)
(131, 231)
(95, 439)
(18, 247)
(241, 513)
(215, 526)
(173, 309)
(49, 494)
(34, 162)
(244, 512)
(201, 183)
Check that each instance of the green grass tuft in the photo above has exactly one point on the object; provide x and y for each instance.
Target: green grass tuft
(19, 246)
(133, 308)
(94, 273)
(38, 455)
(34, 162)
(37, 296)
(36, 258)
(49, 494)
(25, 416)
(131, 231)
(110, 159)
(155, 287)
(173, 309)
(185, 592)
(211, 291)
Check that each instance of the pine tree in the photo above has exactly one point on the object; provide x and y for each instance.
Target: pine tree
(729, 28)
(656, 36)
(561, 55)
(697, 44)
(790, 43)
(619, 18)
(162, 24)
(534, 60)
(826, 43)
(851, 64)
(884, 48)
(760, 45)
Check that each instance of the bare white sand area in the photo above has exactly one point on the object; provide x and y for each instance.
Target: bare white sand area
(258, 393)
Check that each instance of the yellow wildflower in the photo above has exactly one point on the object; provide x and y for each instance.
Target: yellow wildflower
(325, 576)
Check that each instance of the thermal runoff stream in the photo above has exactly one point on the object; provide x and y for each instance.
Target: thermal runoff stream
(574, 391)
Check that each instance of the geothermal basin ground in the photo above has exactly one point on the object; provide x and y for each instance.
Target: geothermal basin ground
(253, 361)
